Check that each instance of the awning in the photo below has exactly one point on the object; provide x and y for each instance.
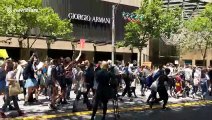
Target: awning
(3, 53)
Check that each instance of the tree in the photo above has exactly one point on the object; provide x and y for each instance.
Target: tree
(18, 21)
(52, 26)
(199, 33)
(156, 21)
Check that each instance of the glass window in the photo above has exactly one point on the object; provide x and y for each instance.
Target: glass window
(188, 62)
(199, 62)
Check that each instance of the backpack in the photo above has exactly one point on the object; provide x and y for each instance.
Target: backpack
(113, 79)
(25, 73)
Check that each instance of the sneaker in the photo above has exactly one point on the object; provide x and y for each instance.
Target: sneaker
(2, 115)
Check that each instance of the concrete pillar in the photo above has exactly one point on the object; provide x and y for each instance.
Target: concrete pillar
(138, 58)
(193, 62)
(208, 62)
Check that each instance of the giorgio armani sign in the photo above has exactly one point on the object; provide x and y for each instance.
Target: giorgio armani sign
(88, 18)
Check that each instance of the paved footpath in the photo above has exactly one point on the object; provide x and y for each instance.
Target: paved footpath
(128, 109)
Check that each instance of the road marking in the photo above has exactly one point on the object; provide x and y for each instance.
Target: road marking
(137, 108)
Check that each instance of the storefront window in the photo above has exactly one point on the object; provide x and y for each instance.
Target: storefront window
(188, 62)
(199, 62)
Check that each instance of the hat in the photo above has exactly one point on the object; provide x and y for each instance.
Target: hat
(23, 62)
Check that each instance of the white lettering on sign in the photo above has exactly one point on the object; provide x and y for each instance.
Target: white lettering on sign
(96, 19)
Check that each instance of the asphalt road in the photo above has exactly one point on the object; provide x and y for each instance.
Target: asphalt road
(202, 112)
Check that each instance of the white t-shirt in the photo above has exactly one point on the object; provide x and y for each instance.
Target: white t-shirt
(49, 71)
(19, 74)
(188, 73)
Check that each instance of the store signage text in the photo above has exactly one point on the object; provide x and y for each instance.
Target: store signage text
(96, 19)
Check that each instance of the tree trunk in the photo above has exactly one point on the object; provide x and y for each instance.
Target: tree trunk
(28, 48)
(204, 57)
(140, 50)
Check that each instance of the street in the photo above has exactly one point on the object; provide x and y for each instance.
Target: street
(178, 109)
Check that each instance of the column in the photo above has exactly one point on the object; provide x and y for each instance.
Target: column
(208, 62)
(193, 62)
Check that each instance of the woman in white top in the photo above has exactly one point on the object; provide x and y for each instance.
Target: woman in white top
(10, 79)
(196, 80)
(19, 75)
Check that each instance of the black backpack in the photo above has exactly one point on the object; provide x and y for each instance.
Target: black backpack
(25, 73)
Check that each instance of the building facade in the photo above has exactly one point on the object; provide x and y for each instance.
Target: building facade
(92, 20)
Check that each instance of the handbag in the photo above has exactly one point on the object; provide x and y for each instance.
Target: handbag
(14, 89)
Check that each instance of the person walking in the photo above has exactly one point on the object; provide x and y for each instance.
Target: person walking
(161, 89)
(81, 88)
(103, 90)
(10, 80)
(29, 76)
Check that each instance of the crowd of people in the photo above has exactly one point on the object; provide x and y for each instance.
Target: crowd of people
(55, 78)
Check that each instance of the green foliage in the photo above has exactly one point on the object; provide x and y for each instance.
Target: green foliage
(199, 32)
(155, 21)
(50, 24)
(19, 22)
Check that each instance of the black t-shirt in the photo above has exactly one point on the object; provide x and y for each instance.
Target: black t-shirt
(29, 71)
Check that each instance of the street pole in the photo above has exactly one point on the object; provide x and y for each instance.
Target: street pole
(113, 35)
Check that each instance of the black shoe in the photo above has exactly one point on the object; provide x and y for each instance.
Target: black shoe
(52, 107)
(2, 115)
(150, 104)
(92, 118)
(64, 102)
(68, 98)
(11, 107)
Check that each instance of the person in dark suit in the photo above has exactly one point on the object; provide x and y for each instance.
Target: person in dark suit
(102, 93)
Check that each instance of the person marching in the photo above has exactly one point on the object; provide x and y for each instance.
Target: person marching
(81, 88)
(102, 92)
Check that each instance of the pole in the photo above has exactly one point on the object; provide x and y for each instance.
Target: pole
(113, 35)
